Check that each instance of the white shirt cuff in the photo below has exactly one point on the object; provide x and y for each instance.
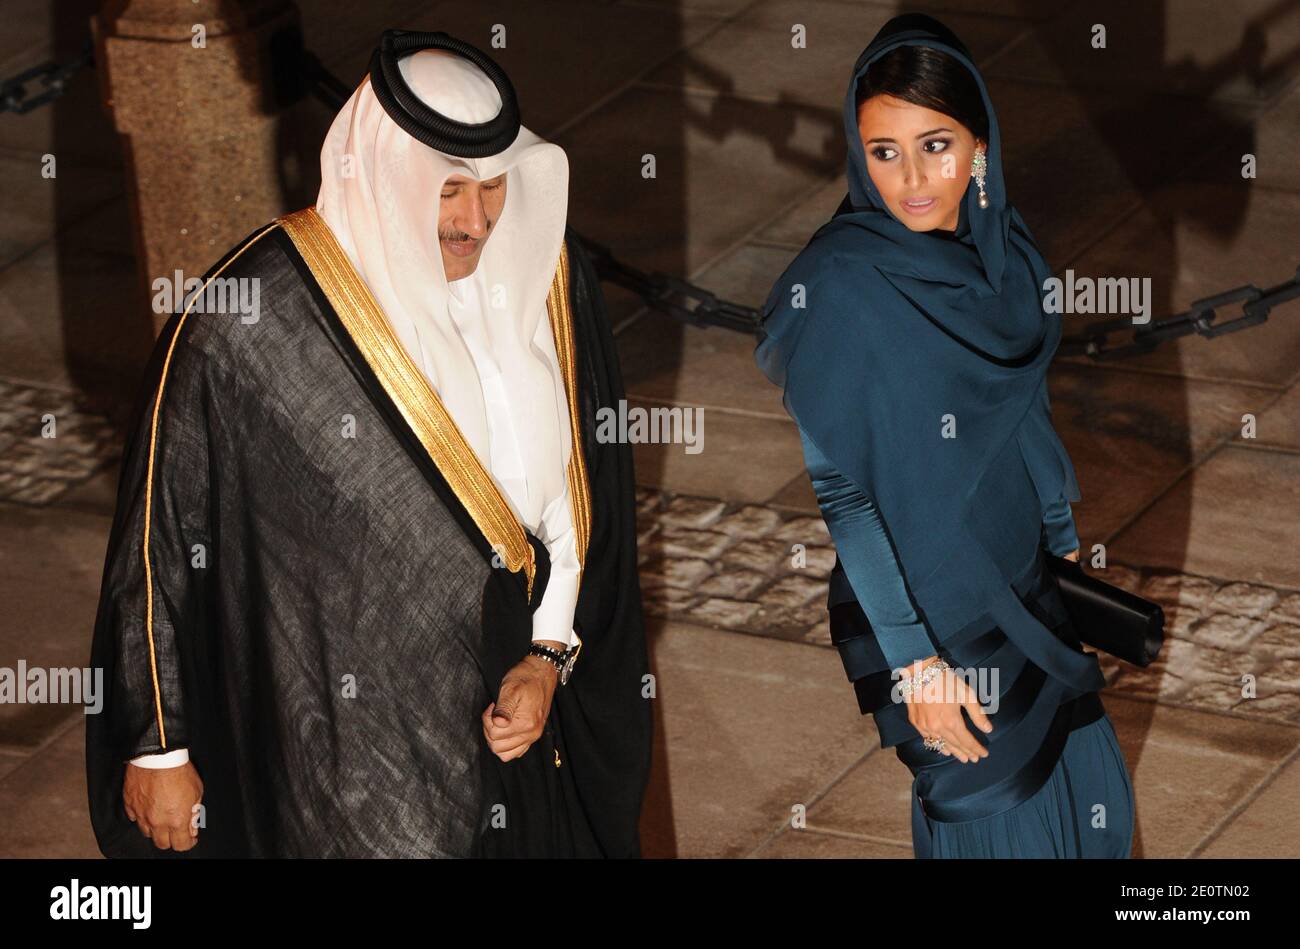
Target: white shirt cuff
(163, 759)
(553, 618)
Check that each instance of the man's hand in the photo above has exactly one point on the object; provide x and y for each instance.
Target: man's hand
(1074, 556)
(161, 802)
(513, 722)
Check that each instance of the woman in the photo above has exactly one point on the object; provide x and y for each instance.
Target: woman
(912, 345)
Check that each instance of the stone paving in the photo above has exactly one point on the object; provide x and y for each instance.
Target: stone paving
(50, 441)
(1230, 646)
(1188, 457)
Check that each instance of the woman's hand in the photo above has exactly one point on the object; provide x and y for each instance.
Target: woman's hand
(934, 710)
(1074, 556)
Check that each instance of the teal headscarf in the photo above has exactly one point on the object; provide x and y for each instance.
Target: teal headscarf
(879, 333)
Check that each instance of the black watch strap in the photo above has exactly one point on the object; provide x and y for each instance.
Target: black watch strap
(563, 661)
(553, 656)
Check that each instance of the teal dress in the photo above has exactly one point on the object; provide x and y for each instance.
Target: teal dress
(1054, 783)
(914, 363)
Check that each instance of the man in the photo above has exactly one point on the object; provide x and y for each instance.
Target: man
(359, 537)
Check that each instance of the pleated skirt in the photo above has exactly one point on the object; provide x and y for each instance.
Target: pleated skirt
(1085, 809)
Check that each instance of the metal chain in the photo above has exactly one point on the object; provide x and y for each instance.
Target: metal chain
(695, 306)
(678, 298)
(53, 76)
(1093, 340)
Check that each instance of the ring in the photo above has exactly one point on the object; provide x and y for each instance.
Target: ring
(936, 744)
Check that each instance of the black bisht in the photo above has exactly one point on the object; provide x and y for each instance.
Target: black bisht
(327, 622)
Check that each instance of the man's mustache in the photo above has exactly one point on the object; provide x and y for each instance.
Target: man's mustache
(461, 235)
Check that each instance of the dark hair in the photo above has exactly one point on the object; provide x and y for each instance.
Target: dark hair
(928, 77)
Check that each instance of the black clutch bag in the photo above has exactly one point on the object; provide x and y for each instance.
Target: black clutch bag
(1107, 617)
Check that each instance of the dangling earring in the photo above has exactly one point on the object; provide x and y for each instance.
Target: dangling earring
(978, 166)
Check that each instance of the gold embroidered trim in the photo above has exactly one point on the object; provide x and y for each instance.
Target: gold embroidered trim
(365, 322)
(148, 481)
(410, 391)
(557, 305)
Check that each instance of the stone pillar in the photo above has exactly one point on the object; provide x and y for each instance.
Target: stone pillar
(195, 88)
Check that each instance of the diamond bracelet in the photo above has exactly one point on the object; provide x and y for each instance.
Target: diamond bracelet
(909, 684)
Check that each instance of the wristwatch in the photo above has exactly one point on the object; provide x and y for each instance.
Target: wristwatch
(563, 661)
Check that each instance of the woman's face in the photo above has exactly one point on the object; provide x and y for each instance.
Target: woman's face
(918, 159)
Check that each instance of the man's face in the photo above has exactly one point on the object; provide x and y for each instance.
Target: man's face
(468, 211)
